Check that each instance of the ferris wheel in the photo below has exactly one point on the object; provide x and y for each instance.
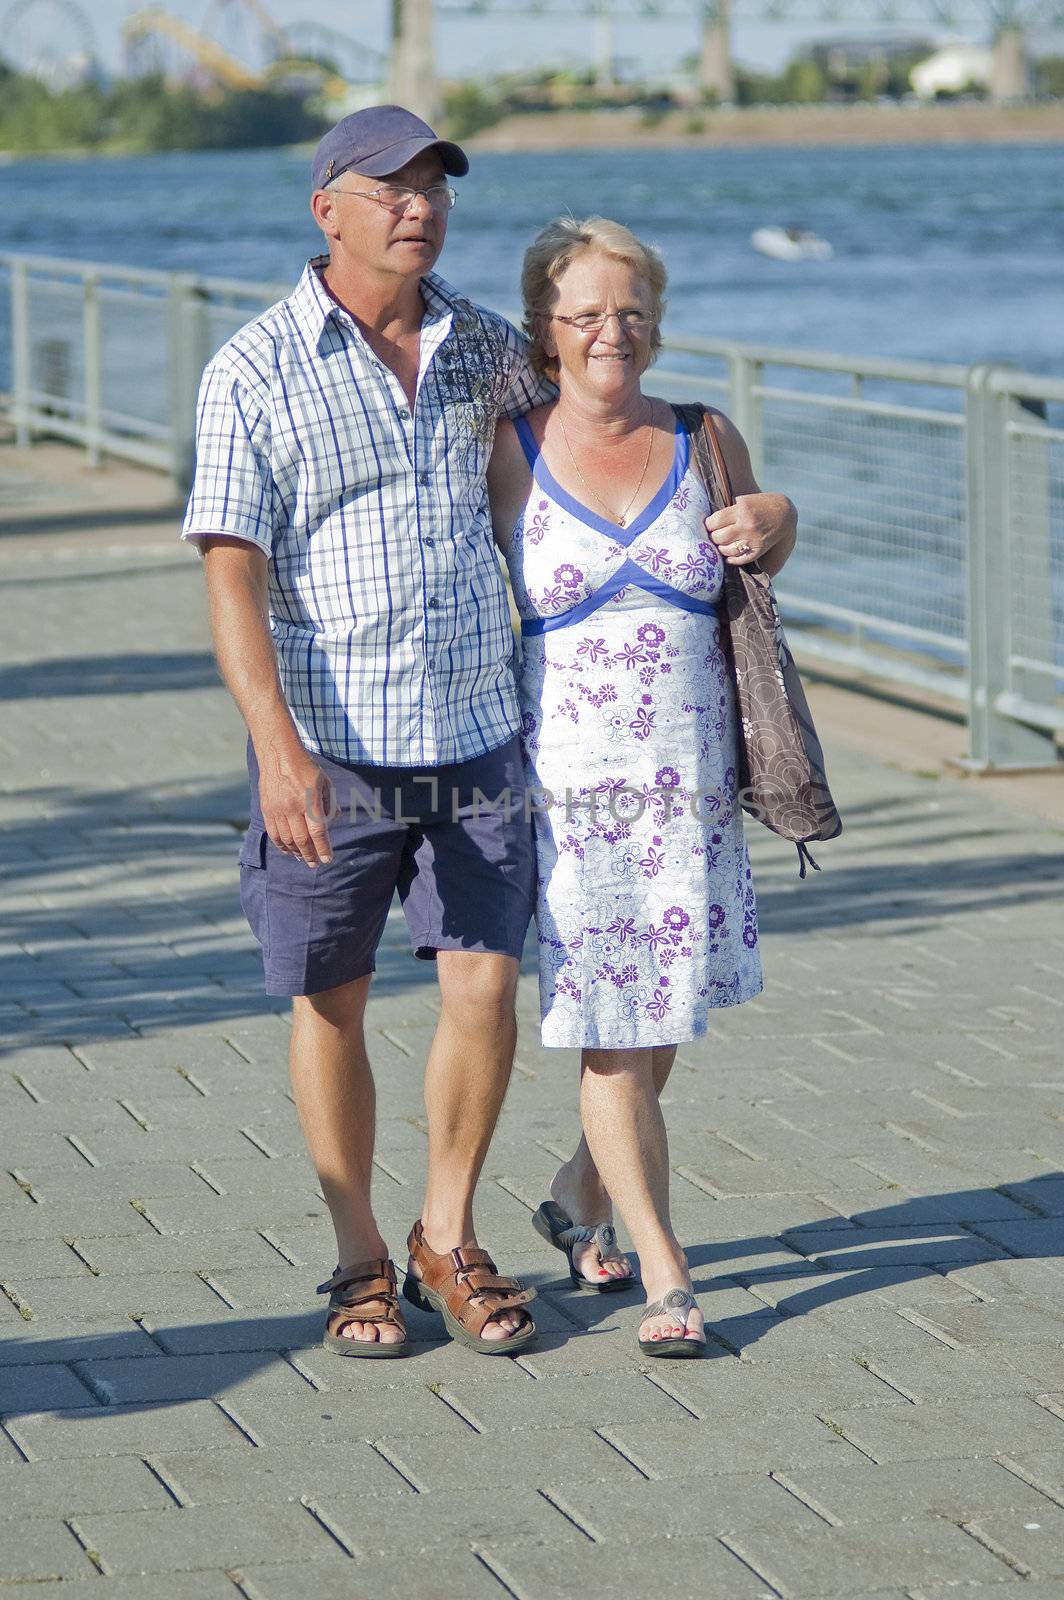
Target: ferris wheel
(51, 39)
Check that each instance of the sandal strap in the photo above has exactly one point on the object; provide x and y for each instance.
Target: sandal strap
(468, 1280)
(375, 1279)
(676, 1300)
(602, 1235)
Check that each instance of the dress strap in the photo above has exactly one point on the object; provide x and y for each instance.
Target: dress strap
(528, 440)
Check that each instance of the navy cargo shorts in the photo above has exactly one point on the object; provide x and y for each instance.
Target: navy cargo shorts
(456, 841)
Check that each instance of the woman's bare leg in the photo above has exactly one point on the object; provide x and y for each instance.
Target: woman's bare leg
(580, 1192)
(626, 1138)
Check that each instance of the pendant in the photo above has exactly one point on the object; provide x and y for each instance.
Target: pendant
(620, 522)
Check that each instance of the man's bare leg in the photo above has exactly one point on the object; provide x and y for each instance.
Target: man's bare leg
(335, 1096)
(580, 1192)
(466, 1079)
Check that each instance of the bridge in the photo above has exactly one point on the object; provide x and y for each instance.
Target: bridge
(241, 45)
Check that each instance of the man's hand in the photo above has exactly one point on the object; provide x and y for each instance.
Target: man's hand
(755, 525)
(297, 802)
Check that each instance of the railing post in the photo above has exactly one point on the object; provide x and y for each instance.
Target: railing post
(745, 373)
(189, 347)
(93, 365)
(996, 740)
(21, 373)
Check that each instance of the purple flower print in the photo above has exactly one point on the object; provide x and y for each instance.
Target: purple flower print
(630, 654)
(537, 527)
(594, 649)
(667, 778)
(642, 724)
(682, 496)
(672, 650)
(749, 937)
(629, 974)
(652, 862)
(696, 568)
(567, 575)
(659, 1006)
(623, 928)
(607, 693)
(650, 634)
(528, 724)
(676, 917)
(550, 599)
(654, 936)
(647, 676)
(656, 560)
(715, 916)
(647, 699)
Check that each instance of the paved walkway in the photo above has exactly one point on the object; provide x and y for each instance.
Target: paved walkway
(868, 1172)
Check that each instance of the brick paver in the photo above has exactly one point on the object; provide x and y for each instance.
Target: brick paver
(868, 1173)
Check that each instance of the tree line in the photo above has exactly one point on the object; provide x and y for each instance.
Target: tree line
(147, 113)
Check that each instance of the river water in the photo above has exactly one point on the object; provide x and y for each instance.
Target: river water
(940, 253)
(950, 253)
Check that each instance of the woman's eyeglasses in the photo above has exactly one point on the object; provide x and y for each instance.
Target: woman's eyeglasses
(595, 321)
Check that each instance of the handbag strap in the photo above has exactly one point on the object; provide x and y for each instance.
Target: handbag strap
(709, 430)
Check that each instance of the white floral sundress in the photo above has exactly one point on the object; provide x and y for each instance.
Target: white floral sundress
(645, 909)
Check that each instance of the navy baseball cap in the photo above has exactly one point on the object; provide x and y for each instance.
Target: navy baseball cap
(378, 141)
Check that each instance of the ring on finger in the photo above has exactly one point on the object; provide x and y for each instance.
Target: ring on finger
(744, 549)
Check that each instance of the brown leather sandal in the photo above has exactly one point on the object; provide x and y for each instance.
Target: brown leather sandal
(466, 1289)
(348, 1289)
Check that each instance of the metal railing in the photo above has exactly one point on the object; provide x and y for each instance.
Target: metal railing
(931, 496)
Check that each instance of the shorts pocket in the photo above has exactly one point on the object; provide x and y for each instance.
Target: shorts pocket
(253, 883)
(253, 849)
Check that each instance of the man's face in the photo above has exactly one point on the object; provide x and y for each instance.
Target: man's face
(404, 239)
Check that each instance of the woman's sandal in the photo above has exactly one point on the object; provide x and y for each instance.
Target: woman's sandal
(566, 1235)
(682, 1302)
(465, 1288)
(348, 1289)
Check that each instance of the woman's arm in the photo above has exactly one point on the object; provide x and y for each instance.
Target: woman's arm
(768, 523)
(508, 478)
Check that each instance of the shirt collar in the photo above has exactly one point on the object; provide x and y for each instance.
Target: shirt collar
(312, 305)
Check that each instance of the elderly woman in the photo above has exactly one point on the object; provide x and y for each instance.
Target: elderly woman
(645, 908)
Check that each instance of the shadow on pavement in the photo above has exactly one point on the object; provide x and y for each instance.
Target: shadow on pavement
(841, 1259)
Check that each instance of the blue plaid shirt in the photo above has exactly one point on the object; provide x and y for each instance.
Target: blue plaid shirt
(387, 603)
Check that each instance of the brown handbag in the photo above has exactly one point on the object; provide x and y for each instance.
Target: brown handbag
(782, 778)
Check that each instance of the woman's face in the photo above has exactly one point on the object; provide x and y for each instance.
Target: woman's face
(606, 358)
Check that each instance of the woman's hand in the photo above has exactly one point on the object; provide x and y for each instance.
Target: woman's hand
(758, 527)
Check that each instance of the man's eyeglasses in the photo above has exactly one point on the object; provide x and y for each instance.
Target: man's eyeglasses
(397, 198)
(595, 321)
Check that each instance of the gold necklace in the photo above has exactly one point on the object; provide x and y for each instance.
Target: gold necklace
(619, 520)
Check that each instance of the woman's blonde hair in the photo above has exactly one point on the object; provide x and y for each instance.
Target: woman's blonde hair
(556, 247)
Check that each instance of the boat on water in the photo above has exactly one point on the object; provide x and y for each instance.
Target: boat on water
(791, 244)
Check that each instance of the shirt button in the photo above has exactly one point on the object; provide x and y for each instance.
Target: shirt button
(430, 543)
(433, 602)
(404, 413)
(424, 477)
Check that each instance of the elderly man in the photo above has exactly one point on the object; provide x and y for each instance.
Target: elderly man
(361, 624)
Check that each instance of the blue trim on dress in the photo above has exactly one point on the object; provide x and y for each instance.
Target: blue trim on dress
(650, 512)
(627, 573)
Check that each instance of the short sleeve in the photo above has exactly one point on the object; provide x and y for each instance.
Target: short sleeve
(232, 485)
(527, 388)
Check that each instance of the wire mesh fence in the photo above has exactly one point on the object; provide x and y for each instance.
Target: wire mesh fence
(931, 496)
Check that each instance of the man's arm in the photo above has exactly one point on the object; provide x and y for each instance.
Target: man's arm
(527, 387)
(293, 790)
(230, 520)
